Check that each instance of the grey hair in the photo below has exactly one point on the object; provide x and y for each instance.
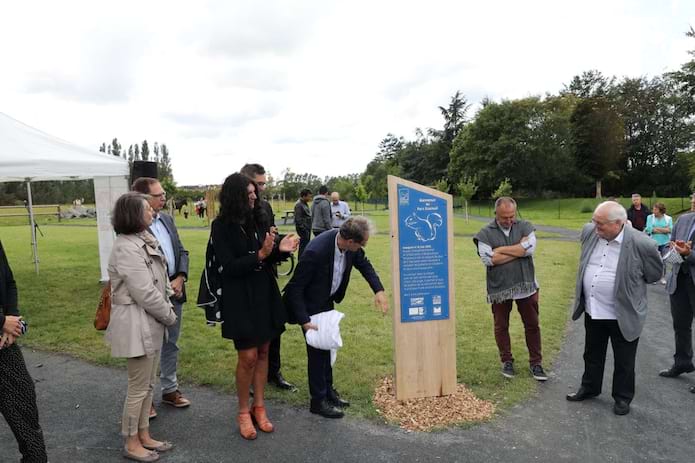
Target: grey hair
(357, 228)
(504, 200)
(614, 211)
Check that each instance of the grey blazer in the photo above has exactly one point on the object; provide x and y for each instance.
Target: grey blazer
(681, 231)
(639, 263)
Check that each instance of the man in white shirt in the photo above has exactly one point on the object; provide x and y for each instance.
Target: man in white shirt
(164, 229)
(615, 266)
(340, 211)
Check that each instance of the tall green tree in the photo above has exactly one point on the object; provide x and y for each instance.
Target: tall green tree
(685, 76)
(115, 147)
(164, 163)
(145, 152)
(526, 140)
(598, 138)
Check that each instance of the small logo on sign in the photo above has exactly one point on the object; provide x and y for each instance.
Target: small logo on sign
(403, 197)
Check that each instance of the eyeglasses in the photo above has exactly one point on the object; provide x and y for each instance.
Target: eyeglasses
(163, 194)
(602, 223)
(261, 183)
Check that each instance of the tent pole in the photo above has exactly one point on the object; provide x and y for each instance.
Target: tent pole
(34, 245)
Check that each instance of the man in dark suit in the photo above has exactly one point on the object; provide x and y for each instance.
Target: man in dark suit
(256, 172)
(680, 285)
(615, 265)
(319, 282)
(164, 229)
(17, 393)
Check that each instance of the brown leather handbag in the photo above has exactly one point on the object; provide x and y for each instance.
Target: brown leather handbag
(103, 315)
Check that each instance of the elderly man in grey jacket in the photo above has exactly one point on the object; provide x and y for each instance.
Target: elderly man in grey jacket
(615, 266)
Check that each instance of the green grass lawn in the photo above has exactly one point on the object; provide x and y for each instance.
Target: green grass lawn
(59, 304)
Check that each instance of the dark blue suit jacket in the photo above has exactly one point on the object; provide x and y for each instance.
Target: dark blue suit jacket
(180, 253)
(309, 290)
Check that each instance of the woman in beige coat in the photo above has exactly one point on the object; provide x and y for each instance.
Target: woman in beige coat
(140, 310)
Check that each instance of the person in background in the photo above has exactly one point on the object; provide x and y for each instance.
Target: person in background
(321, 212)
(615, 264)
(659, 227)
(251, 308)
(340, 211)
(302, 219)
(185, 210)
(257, 174)
(164, 230)
(140, 312)
(637, 214)
(17, 393)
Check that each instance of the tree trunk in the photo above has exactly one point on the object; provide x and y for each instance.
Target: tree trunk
(598, 189)
(466, 205)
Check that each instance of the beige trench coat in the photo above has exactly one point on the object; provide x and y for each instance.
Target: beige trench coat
(140, 290)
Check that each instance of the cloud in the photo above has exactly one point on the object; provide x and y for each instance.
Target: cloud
(243, 29)
(216, 123)
(101, 69)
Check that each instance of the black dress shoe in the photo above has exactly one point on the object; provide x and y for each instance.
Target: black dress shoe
(676, 371)
(581, 394)
(334, 399)
(279, 381)
(621, 407)
(326, 410)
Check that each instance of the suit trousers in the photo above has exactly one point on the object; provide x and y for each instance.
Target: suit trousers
(304, 238)
(598, 332)
(274, 363)
(170, 353)
(320, 373)
(18, 405)
(528, 309)
(142, 374)
(682, 305)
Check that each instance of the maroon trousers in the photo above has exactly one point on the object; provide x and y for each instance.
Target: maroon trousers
(528, 309)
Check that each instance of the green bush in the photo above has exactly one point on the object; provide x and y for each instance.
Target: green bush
(586, 207)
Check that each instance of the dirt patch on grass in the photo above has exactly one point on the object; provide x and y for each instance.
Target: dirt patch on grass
(428, 413)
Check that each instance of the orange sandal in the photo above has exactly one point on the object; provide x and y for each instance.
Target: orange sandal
(261, 419)
(246, 428)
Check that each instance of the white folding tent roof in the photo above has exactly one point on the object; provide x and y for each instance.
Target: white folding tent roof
(30, 155)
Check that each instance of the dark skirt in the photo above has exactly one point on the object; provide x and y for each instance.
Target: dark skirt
(253, 343)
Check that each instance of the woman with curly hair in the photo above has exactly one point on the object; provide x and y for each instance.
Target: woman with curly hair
(244, 250)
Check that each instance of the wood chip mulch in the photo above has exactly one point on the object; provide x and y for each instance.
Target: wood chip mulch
(428, 413)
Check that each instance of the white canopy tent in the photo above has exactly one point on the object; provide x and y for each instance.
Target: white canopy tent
(30, 155)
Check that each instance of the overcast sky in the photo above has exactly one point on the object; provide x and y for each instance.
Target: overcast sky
(312, 86)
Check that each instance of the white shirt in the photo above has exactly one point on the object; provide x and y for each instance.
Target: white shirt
(162, 234)
(338, 266)
(344, 210)
(599, 279)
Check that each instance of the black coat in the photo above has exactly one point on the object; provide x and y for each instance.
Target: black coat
(250, 302)
(8, 289)
(309, 290)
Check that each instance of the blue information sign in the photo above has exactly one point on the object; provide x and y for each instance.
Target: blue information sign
(424, 256)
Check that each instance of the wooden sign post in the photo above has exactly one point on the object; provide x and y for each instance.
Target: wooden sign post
(424, 328)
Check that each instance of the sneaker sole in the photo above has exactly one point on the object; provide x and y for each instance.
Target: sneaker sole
(508, 375)
(540, 378)
(176, 405)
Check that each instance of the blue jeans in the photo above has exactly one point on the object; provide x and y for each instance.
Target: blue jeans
(170, 353)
